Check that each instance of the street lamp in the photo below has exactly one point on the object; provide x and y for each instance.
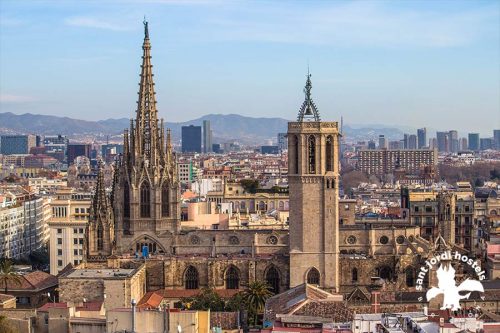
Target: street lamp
(133, 303)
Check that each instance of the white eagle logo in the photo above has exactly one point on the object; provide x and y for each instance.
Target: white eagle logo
(448, 287)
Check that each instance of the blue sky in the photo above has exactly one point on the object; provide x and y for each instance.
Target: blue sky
(423, 63)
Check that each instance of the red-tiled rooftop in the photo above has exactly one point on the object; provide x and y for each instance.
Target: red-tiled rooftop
(47, 306)
(36, 280)
(152, 299)
(90, 306)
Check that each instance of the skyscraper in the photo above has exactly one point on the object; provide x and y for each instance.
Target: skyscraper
(474, 141)
(421, 138)
(453, 141)
(76, 149)
(443, 141)
(405, 141)
(382, 142)
(191, 139)
(496, 138)
(282, 142)
(207, 137)
(412, 141)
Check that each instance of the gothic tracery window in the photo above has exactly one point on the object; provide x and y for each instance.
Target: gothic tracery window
(100, 237)
(273, 280)
(311, 148)
(145, 200)
(232, 278)
(329, 153)
(165, 200)
(191, 278)
(126, 200)
(313, 276)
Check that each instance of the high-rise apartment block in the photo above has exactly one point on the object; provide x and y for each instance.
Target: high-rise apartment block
(16, 144)
(191, 139)
(70, 215)
(23, 221)
(381, 162)
(474, 141)
(207, 137)
(421, 138)
(453, 141)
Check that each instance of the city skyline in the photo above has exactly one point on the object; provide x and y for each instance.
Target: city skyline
(217, 57)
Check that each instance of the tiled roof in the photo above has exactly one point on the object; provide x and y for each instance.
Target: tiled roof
(48, 306)
(90, 306)
(36, 280)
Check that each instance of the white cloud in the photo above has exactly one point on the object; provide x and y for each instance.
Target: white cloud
(360, 23)
(8, 98)
(96, 23)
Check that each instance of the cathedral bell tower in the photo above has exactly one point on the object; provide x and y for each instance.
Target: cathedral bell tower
(313, 176)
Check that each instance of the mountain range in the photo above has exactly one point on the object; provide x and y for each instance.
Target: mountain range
(246, 130)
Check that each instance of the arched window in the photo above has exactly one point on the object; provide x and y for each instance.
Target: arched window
(296, 154)
(311, 148)
(410, 277)
(384, 272)
(126, 200)
(165, 200)
(262, 205)
(243, 205)
(354, 275)
(191, 278)
(329, 153)
(313, 276)
(232, 278)
(100, 237)
(273, 280)
(145, 200)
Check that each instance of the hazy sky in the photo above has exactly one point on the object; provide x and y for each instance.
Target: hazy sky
(427, 63)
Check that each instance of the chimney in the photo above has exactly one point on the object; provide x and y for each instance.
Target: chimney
(375, 299)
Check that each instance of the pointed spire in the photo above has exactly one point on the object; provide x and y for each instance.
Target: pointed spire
(100, 200)
(147, 115)
(308, 110)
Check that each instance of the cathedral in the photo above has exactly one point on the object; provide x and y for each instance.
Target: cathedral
(338, 255)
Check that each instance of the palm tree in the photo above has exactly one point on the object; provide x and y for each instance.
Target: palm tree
(256, 296)
(7, 273)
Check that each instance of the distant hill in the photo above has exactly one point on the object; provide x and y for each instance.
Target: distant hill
(247, 130)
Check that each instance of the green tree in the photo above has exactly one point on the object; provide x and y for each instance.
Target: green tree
(6, 326)
(255, 297)
(250, 185)
(7, 273)
(207, 299)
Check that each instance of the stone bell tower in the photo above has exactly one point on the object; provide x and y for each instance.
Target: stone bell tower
(313, 175)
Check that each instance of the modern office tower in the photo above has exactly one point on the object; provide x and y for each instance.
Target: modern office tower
(16, 144)
(453, 141)
(269, 150)
(443, 142)
(496, 138)
(421, 138)
(412, 141)
(474, 141)
(191, 139)
(282, 142)
(216, 148)
(76, 149)
(463, 144)
(405, 141)
(486, 143)
(56, 146)
(207, 137)
(381, 162)
(371, 144)
(382, 142)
